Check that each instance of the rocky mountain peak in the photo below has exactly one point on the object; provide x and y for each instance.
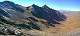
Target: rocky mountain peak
(45, 6)
(7, 2)
(35, 6)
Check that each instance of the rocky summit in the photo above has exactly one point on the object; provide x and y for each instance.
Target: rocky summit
(15, 19)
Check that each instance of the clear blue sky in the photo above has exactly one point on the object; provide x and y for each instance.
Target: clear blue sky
(73, 5)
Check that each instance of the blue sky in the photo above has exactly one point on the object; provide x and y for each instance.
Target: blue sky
(73, 5)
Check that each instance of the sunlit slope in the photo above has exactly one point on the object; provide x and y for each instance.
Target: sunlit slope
(71, 24)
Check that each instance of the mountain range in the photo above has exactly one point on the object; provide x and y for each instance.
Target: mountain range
(31, 17)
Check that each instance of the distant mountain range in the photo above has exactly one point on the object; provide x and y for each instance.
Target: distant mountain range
(11, 13)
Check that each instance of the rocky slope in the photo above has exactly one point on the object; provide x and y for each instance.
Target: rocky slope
(18, 20)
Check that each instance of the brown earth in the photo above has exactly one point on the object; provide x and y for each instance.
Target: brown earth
(70, 27)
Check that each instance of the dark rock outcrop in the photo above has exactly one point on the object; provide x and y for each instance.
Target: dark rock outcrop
(44, 12)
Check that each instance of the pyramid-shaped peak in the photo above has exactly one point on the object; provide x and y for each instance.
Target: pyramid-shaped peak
(7, 2)
(45, 6)
(34, 5)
